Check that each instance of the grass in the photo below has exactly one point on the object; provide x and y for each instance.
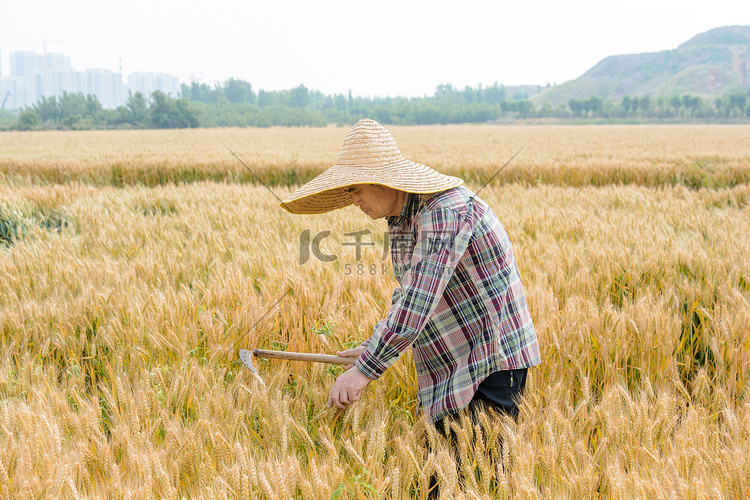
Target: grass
(120, 329)
(11, 227)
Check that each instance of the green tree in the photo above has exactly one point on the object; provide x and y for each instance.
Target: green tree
(443, 89)
(525, 109)
(48, 110)
(576, 106)
(495, 94)
(299, 97)
(267, 99)
(199, 92)
(138, 108)
(595, 105)
(7, 119)
(625, 103)
(166, 112)
(28, 120)
(237, 91)
(718, 104)
(686, 100)
(508, 107)
(692, 103)
(340, 102)
(134, 113)
(661, 106)
(645, 104)
(469, 94)
(676, 103)
(739, 101)
(427, 114)
(69, 109)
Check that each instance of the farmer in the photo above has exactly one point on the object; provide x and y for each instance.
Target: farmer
(461, 307)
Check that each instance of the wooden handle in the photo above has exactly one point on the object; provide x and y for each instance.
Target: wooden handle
(303, 356)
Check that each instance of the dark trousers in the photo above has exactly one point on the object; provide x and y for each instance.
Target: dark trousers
(499, 391)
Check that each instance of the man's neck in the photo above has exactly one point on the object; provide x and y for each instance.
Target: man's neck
(398, 205)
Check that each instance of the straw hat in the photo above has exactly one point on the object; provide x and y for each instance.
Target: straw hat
(369, 155)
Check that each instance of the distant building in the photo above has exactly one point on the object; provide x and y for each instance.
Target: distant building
(17, 92)
(56, 61)
(24, 63)
(53, 82)
(106, 86)
(146, 83)
(33, 76)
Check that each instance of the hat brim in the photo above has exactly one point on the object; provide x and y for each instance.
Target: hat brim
(328, 192)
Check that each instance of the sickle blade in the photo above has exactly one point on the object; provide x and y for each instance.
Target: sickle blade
(246, 358)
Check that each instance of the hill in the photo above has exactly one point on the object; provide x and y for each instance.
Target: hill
(709, 64)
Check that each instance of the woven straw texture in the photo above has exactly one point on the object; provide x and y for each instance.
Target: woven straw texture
(369, 155)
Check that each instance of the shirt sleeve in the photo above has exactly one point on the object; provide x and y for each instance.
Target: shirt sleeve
(397, 293)
(442, 238)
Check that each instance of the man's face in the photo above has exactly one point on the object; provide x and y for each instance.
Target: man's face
(377, 201)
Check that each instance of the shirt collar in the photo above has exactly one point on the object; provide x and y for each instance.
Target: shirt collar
(408, 211)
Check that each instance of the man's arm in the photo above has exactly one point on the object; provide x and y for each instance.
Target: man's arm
(397, 294)
(443, 238)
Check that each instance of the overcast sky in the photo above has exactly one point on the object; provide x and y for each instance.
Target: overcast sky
(383, 48)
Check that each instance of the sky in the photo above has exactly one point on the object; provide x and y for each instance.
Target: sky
(384, 48)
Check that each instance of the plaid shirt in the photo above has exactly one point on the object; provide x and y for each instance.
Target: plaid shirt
(461, 305)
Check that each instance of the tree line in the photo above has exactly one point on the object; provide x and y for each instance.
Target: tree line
(235, 103)
(734, 105)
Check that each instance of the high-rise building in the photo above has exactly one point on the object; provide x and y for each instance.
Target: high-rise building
(146, 83)
(25, 63)
(17, 92)
(53, 82)
(34, 76)
(106, 86)
(56, 61)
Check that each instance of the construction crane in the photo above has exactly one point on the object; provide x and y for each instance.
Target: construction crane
(30, 40)
(7, 94)
(44, 41)
(44, 44)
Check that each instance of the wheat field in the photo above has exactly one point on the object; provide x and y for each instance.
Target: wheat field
(124, 301)
(646, 155)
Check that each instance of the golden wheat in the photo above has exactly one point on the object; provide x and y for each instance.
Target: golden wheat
(121, 323)
(653, 155)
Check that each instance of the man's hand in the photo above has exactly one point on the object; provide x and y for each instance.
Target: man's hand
(348, 387)
(354, 353)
